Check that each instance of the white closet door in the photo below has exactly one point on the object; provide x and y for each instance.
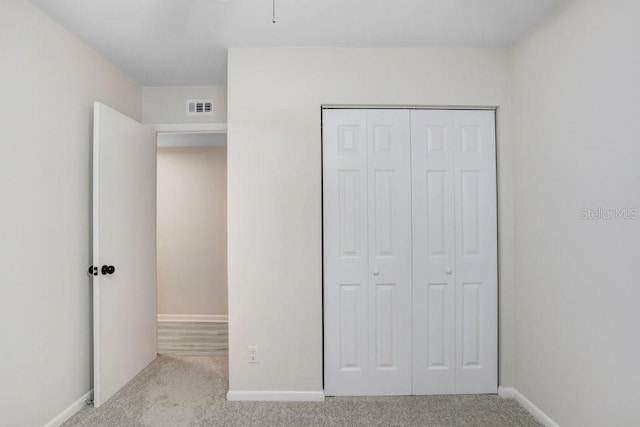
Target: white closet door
(367, 250)
(454, 252)
(346, 264)
(476, 252)
(389, 162)
(434, 258)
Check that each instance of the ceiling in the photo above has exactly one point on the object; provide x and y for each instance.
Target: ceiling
(184, 42)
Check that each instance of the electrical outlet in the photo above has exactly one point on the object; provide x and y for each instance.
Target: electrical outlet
(252, 354)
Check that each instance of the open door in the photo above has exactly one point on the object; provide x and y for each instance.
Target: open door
(124, 250)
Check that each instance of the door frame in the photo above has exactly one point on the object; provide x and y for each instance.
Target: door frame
(496, 109)
(185, 129)
(164, 128)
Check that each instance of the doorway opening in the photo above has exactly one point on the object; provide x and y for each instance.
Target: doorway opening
(192, 244)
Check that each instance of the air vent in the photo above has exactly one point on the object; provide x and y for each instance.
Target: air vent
(199, 107)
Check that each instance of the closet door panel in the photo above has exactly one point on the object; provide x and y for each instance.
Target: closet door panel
(345, 252)
(433, 268)
(389, 201)
(476, 251)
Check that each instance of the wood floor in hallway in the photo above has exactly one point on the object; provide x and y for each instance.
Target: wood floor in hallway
(193, 338)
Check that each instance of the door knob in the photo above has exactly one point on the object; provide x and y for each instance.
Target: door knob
(448, 270)
(376, 271)
(108, 269)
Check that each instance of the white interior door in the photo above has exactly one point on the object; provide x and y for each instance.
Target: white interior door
(434, 255)
(476, 271)
(346, 252)
(410, 252)
(367, 252)
(389, 191)
(454, 252)
(124, 237)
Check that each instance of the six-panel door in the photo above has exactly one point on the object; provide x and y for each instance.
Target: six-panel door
(454, 252)
(410, 257)
(367, 217)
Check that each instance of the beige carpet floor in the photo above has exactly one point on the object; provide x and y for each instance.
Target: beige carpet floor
(191, 391)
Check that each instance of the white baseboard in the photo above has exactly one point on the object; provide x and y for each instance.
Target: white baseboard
(277, 396)
(512, 393)
(70, 411)
(214, 318)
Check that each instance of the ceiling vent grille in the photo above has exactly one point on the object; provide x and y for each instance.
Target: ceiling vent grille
(199, 107)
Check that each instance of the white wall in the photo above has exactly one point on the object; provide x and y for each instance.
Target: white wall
(274, 173)
(49, 82)
(577, 121)
(167, 104)
(192, 230)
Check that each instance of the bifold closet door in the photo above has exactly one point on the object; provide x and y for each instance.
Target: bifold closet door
(454, 251)
(367, 252)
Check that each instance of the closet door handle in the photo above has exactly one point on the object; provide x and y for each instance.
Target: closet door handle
(376, 271)
(448, 271)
